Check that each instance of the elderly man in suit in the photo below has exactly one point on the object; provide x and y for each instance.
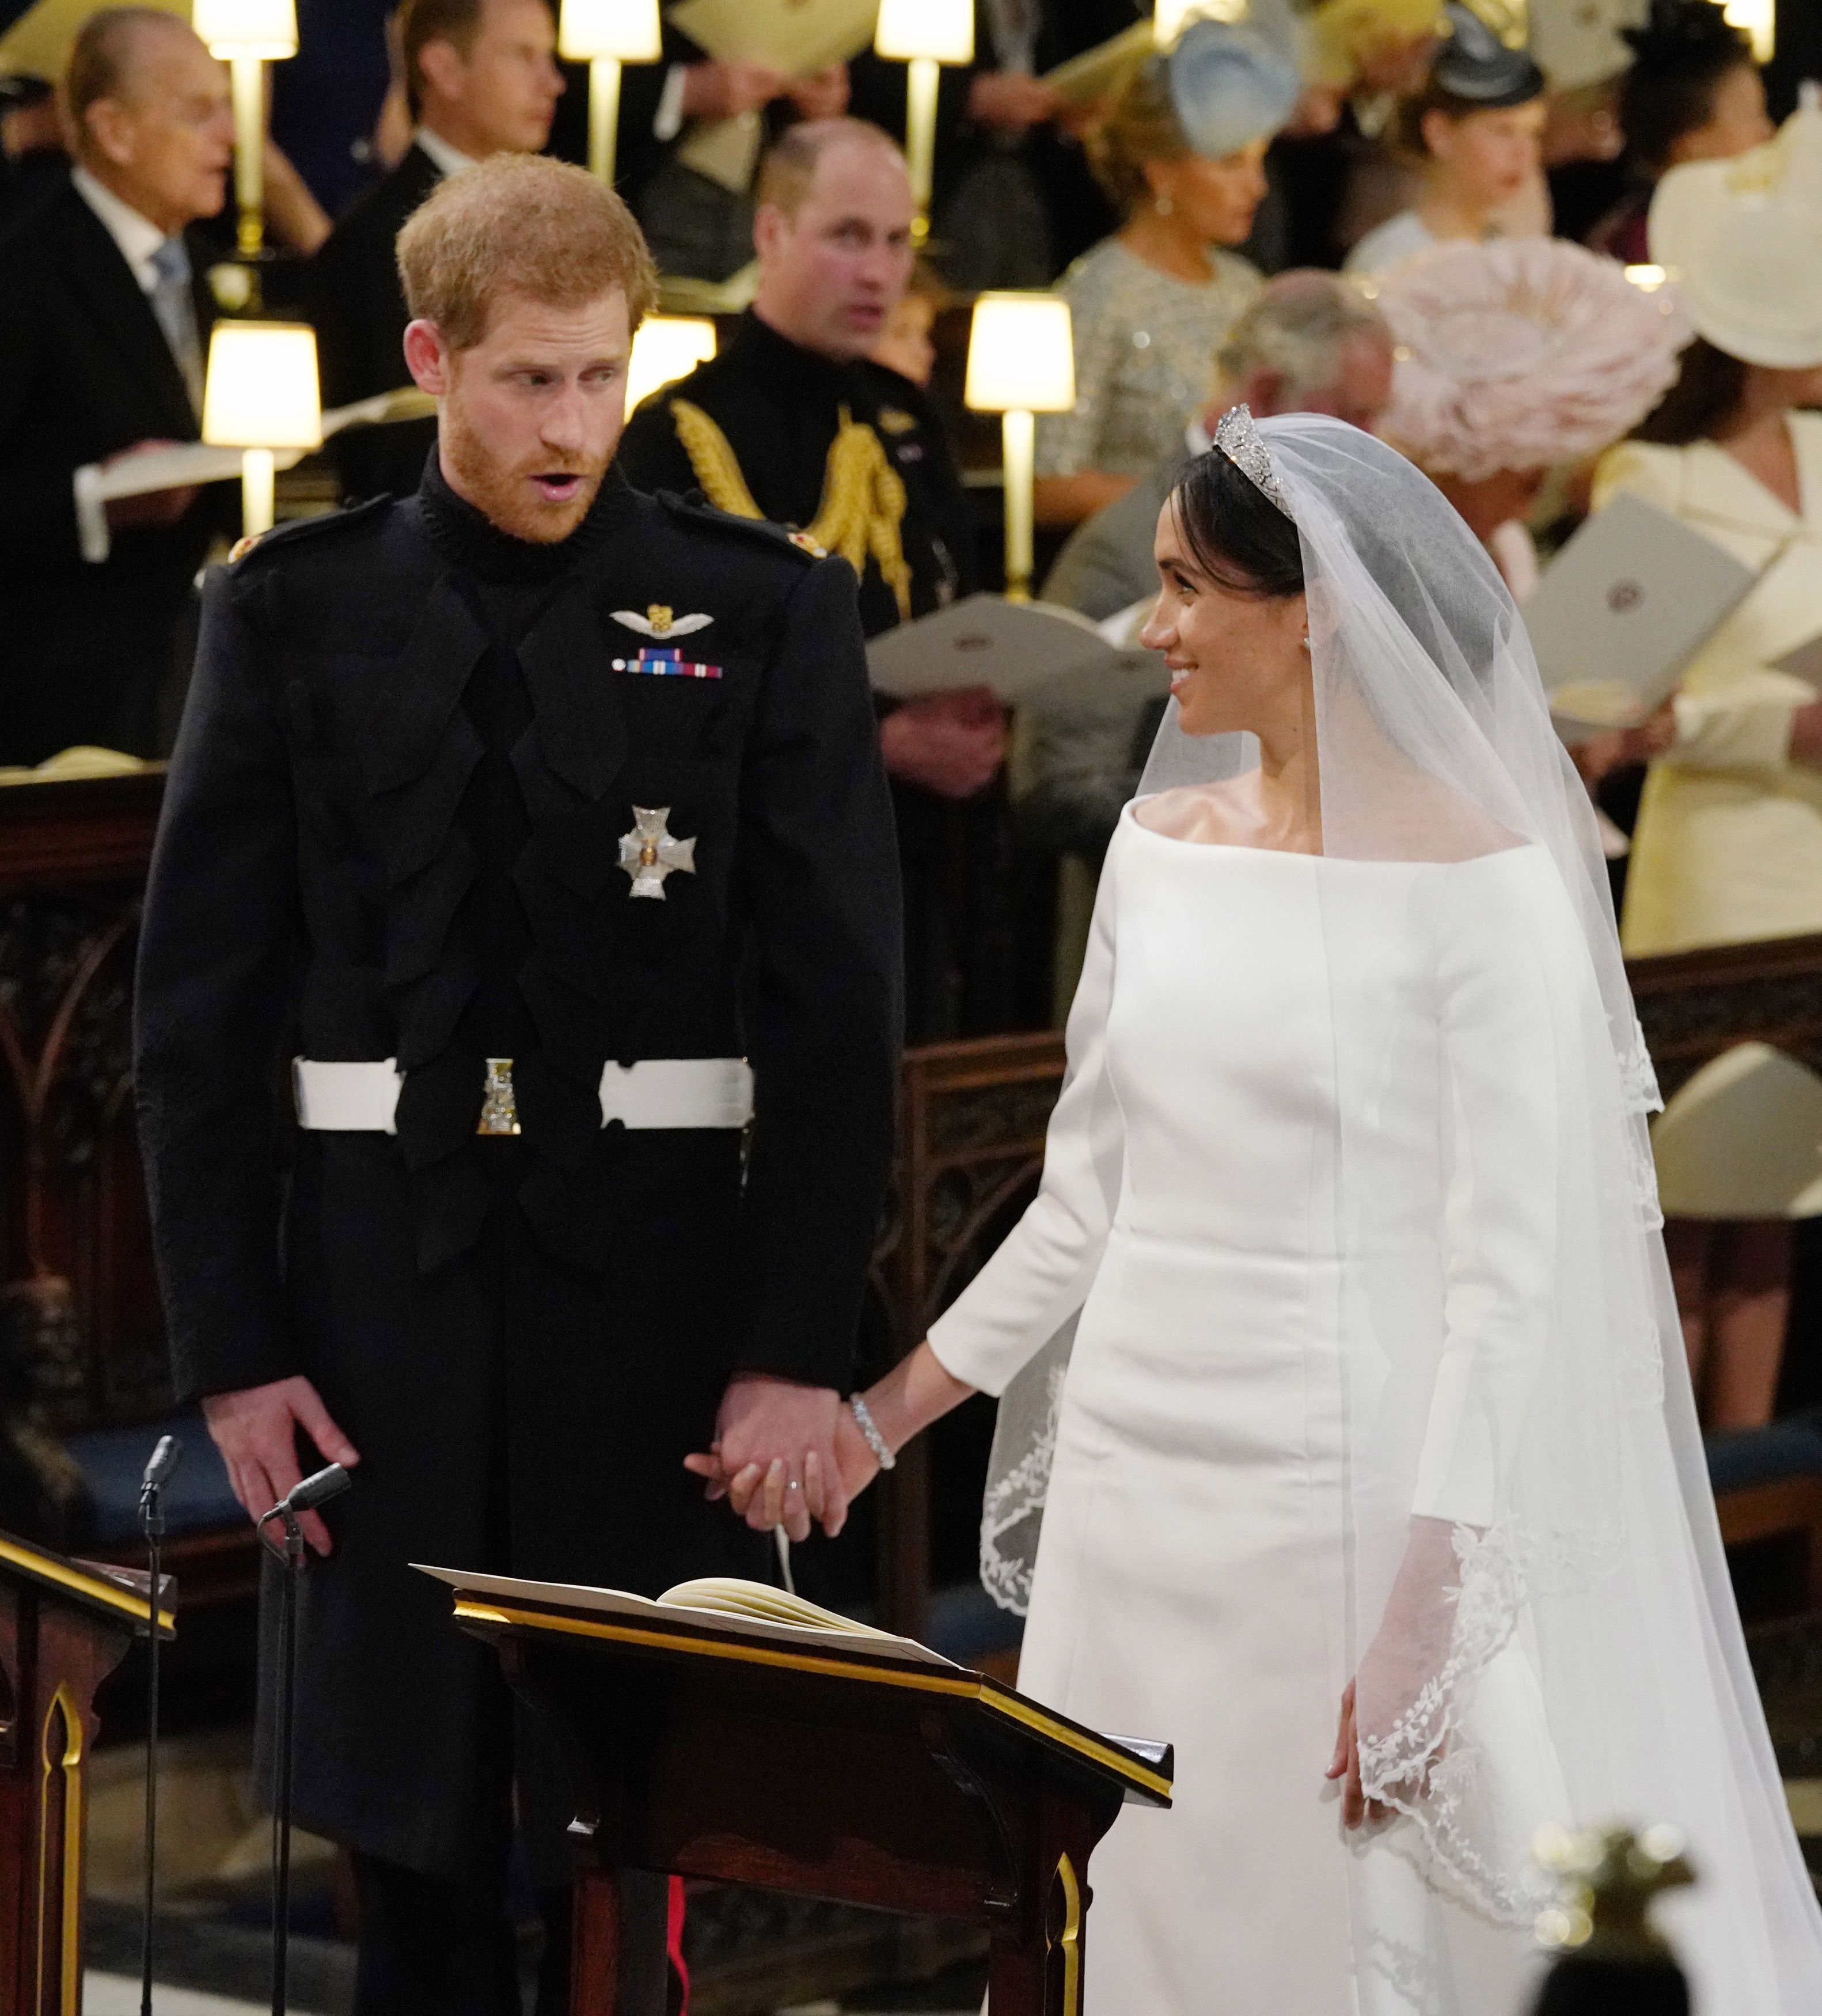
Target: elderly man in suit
(482, 79)
(104, 322)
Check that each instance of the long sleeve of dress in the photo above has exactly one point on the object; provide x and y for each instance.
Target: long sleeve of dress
(1508, 967)
(1042, 1272)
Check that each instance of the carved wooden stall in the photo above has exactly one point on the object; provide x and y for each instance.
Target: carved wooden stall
(81, 1339)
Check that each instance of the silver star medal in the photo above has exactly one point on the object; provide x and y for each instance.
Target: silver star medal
(649, 852)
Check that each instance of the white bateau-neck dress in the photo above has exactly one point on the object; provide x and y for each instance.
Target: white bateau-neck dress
(1190, 1578)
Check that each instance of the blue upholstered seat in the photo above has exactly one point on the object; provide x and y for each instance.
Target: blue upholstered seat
(198, 1499)
(1742, 1457)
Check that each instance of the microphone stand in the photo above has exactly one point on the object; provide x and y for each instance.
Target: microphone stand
(314, 1491)
(152, 1521)
(290, 1559)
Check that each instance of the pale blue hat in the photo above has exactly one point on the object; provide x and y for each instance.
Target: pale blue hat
(1234, 82)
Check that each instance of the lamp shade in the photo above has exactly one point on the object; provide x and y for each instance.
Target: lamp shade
(1759, 19)
(1171, 17)
(262, 391)
(264, 28)
(667, 347)
(1021, 355)
(938, 30)
(626, 29)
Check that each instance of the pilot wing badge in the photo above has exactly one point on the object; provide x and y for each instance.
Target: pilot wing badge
(660, 621)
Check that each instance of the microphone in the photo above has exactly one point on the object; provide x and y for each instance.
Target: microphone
(164, 1460)
(317, 1489)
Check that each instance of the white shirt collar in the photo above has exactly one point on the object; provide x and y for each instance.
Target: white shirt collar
(450, 160)
(1197, 438)
(138, 237)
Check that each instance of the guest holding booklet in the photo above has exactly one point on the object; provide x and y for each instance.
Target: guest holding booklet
(1372, 1476)
(1728, 843)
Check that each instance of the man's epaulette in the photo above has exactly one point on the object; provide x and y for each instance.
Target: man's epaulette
(295, 531)
(696, 509)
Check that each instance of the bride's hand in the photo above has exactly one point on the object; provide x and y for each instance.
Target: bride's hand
(1346, 1764)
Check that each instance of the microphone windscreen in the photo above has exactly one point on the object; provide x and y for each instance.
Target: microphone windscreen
(320, 1488)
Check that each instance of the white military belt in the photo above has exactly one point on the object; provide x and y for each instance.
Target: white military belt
(655, 1093)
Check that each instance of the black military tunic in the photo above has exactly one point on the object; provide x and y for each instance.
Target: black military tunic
(854, 456)
(392, 830)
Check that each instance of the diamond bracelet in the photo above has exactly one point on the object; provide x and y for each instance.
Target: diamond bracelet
(869, 1427)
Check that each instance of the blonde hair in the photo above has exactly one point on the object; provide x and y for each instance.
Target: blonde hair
(520, 224)
(1140, 126)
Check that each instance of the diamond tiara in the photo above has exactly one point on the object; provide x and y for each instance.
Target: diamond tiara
(1238, 440)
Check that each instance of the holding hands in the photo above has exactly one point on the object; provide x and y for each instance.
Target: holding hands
(795, 1456)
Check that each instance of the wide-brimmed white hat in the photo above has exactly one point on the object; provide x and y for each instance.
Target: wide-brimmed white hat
(1743, 239)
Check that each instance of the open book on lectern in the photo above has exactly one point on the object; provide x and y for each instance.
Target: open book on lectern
(1620, 611)
(752, 1609)
(1014, 649)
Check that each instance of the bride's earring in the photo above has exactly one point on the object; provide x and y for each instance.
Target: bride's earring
(1163, 205)
(1305, 640)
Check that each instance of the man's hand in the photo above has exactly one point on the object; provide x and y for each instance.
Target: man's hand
(774, 1455)
(951, 743)
(150, 507)
(824, 96)
(1010, 102)
(255, 1430)
(716, 90)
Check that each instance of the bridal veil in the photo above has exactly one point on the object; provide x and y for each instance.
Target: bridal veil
(1536, 1610)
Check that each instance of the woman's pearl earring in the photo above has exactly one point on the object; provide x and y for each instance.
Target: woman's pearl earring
(1163, 205)
(1305, 640)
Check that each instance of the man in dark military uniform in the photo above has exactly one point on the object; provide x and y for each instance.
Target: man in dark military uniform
(793, 421)
(544, 823)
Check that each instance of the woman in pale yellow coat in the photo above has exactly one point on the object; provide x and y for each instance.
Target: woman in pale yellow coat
(1728, 845)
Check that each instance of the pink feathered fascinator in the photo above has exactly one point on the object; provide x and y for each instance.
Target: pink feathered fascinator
(1523, 353)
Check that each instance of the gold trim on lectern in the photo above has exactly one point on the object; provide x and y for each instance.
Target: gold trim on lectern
(48, 1568)
(67, 1942)
(1069, 1939)
(967, 1686)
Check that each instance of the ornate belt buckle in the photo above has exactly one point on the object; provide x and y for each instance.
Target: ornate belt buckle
(499, 1113)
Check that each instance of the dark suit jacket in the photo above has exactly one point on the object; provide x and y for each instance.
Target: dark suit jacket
(359, 310)
(576, 1297)
(85, 371)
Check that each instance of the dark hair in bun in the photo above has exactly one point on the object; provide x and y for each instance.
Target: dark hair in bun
(1235, 534)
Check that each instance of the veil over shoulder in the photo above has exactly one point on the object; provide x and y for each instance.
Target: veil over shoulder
(1535, 1606)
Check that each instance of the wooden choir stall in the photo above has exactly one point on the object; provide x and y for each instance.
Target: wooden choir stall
(863, 1772)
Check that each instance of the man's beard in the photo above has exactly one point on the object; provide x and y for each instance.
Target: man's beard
(504, 496)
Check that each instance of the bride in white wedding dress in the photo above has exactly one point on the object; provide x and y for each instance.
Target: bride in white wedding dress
(1373, 1481)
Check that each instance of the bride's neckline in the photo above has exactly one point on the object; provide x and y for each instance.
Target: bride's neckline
(1130, 815)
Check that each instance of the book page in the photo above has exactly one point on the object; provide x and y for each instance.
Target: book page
(846, 1636)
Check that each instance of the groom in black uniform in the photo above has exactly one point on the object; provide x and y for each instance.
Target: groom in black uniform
(544, 823)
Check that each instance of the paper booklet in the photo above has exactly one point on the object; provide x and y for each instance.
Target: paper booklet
(1099, 72)
(186, 463)
(754, 1608)
(1743, 1139)
(1622, 610)
(1016, 649)
(799, 39)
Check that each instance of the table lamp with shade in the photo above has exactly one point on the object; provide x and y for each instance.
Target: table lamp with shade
(261, 394)
(666, 347)
(925, 34)
(1020, 362)
(604, 35)
(247, 34)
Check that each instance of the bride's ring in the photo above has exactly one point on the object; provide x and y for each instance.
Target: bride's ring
(793, 1485)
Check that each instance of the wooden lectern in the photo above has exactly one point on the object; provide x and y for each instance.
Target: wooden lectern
(64, 1627)
(861, 1777)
